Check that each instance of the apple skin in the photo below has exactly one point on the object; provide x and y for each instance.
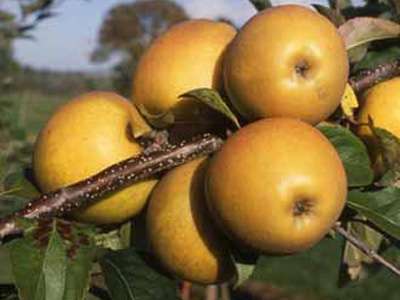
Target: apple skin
(85, 136)
(286, 61)
(181, 234)
(276, 186)
(186, 57)
(382, 104)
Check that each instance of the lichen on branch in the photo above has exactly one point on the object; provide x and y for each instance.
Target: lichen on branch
(115, 177)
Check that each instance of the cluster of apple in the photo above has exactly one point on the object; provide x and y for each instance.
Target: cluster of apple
(277, 185)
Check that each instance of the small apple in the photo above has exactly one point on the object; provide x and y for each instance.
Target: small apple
(276, 186)
(381, 103)
(186, 57)
(85, 136)
(180, 231)
(286, 61)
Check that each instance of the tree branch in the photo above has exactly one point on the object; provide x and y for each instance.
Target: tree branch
(365, 249)
(368, 78)
(127, 172)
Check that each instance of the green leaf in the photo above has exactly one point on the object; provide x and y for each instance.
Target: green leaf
(353, 153)
(244, 272)
(389, 148)
(212, 98)
(19, 184)
(129, 276)
(3, 169)
(53, 261)
(10, 204)
(375, 58)
(261, 4)
(382, 208)
(109, 240)
(357, 53)
(6, 276)
(313, 272)
(363, 30)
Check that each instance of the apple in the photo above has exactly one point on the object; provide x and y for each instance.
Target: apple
(85, 136)
(286, 61)
(186, 57)
(180, 231)
(276, 186)
(381, 103)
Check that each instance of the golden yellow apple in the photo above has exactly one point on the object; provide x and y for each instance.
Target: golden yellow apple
(276, 186)
(186, 57)
(286, 61)
(382, 104)
(180, 231)
(85, 136)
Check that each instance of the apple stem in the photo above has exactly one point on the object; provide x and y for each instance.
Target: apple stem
(65, 200)
(368, 78)
(365, 249)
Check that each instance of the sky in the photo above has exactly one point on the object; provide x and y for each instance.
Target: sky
(66, 41)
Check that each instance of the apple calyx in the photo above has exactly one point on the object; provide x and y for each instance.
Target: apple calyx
(302, 207)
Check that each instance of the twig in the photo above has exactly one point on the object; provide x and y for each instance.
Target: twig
(368, 78)
(186, 290)
(365, 249)
(211, 292)
(83, 193)
(261, 4)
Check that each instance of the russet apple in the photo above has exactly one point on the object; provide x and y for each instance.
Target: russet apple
(286, 61)
(186, 57)
(85, 136)
(180, 230)
(276, 186)
(381, 103)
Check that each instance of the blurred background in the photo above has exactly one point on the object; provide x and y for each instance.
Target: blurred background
(53, 50)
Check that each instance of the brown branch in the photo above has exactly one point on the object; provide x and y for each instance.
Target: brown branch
(368, 78)
(365, 249)
(127, 172)
(90, 190)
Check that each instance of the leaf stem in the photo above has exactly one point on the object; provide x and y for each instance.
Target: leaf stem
(365, 249)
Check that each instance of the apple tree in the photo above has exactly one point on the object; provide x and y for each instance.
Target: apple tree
(53, 257)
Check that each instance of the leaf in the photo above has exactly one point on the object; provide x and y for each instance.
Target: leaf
(342, 4)
(160, 120)
(244, 272)
(349, 102)
(52, 261)
(331, 14)
(261, 4)
(389, 150)
(10, 204)
(382, 208)
(353, 153)
(375, 58)
(353, 258)
(129, 277)
(357, 53)
(19, 183)
(212, 98)
(362, 30)
(109, 240)
(36, 5)
(6, 270)
(313, 270)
